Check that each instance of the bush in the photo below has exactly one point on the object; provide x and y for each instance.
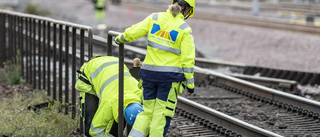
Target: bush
(11, 74)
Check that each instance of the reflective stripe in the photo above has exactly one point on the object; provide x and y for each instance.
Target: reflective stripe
(98, 70)
(136, 133)
(122, 38)
(111, 79)
(188, 70)
(155, 16)
(164, 48)
(190, 81)
(161, 68)
(97, 130)
(183, 26)
(118, 40)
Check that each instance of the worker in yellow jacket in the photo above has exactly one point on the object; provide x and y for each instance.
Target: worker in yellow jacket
(168, 65)
(100, 8)
(98, 82)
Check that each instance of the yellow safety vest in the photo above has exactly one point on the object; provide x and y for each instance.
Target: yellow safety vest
(100, 77)
(170, 50)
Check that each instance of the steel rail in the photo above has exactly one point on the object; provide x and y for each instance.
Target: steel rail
(297, 101)
(231, 123)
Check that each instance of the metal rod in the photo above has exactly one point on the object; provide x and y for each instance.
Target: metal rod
(81, 62)
(10, 38)
(81, 46)
(54, 97)
(33, 49)
(21, 46)
(121, 84)
(48, 59)
(14, 39)
(90, 44)
(60, 62)
(121, 78)
(27, 49)
(109, 48)
(31, 29)
(66, 89)
(44, 53)
(74, 63)
(3, 50)
(39, 53)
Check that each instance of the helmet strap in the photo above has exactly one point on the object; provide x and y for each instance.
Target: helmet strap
(188, 14)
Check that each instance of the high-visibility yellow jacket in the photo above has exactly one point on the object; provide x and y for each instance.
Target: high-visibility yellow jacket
(100, 77)
(170, 50)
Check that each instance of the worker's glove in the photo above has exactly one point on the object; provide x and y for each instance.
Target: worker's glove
(118, 40)
(189, 89)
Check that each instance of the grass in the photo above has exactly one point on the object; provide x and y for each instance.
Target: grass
(17, 120)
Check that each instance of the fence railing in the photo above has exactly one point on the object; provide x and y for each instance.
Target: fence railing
(49, 53)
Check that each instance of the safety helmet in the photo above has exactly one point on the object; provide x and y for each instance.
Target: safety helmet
(192, 3)
(131, 112)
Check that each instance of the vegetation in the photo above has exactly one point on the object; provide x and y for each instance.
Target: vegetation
(33, 8)
(17, 120)
(11, 74)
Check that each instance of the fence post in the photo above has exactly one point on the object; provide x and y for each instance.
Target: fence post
(121, 78)
(121, 84)
(3, 55)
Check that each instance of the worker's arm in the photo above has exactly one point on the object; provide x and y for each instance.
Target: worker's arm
(134, 32)
(187, 59)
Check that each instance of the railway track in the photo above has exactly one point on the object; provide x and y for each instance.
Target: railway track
(270, 103)
(272, 110)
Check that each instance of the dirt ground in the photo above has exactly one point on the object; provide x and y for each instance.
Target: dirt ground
(8, 90)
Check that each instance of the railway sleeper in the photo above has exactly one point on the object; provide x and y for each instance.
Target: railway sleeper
(206, 123)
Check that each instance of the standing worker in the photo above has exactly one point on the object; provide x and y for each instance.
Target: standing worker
(98, 81)
(99, 8)
(168, 65)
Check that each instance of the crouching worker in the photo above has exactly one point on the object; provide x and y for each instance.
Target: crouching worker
(98, 82)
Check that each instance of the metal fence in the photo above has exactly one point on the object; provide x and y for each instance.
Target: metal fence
(48, 51)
